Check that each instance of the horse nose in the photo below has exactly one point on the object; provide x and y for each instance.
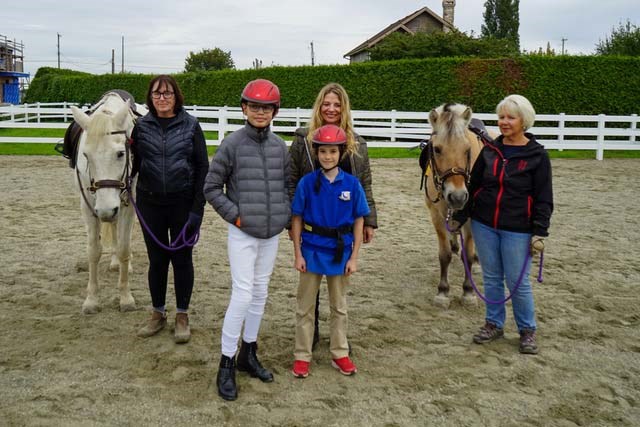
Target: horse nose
(107, 215)
(457, 199)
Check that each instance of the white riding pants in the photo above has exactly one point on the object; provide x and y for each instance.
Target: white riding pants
(251, 261)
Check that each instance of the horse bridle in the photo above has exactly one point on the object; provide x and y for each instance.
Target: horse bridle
(123, 184)
(439, 178)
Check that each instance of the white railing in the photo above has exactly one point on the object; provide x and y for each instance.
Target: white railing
(400, 129)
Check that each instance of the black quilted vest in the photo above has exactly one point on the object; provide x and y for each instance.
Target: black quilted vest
(166, 156)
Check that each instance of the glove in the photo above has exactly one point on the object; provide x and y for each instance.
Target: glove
(458, 219)
(194, 222)
(537, 245)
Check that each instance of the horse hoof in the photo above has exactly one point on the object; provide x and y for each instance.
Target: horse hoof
(469, 301)
(128, 305)
(442, 301)
(90, 308)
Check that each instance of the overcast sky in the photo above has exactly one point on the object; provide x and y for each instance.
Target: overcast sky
(159, 35)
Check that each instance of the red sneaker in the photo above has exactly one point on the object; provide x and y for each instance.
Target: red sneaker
(344, 365)
(300, 369)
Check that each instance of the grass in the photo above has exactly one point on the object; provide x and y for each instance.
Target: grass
(26, 149)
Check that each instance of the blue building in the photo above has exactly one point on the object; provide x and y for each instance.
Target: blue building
(12, 75)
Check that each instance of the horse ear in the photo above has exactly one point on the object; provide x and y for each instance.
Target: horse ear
(80, 117)
(467, 115)
(123, 113)
(433, 117)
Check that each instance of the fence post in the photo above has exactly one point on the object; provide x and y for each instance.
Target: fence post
(38, 112)
(65, 107)
(26, 112)
(634, 125)
(600, 149)
(561, 131)
(12, 112)
(393, 125)
(222, 124)
(297, 117)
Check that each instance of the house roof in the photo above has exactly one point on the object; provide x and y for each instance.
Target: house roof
(398, 25)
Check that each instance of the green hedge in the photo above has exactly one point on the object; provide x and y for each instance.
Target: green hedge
(570, 84)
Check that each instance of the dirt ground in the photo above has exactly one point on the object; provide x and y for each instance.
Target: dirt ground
(417, 365)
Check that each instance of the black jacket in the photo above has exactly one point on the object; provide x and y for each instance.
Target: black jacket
(171, 158)
(513, 194)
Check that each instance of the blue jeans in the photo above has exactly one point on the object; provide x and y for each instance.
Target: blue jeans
(502, 255)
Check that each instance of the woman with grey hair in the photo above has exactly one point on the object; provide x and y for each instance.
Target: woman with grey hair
(510, 209)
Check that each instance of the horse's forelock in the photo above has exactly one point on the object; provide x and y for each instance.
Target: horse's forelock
(451, 121)
(101, 124)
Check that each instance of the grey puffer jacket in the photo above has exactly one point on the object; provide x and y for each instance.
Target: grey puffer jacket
(303, 161)
(248, 178)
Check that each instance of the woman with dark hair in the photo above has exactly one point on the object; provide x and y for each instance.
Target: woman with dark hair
(170, 157)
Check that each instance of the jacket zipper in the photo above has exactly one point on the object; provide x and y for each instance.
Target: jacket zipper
(266, 182)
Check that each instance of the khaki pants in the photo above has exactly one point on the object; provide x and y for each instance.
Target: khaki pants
(305, 315)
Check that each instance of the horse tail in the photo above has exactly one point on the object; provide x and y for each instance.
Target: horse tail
(106, 235)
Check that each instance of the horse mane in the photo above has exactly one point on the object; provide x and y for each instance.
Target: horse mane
(451, 123)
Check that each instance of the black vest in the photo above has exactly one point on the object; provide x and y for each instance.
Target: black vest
(166, 156)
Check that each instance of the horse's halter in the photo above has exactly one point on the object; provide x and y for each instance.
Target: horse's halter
(439, 178)
(123, 184)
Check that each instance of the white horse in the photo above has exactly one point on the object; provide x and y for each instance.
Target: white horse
(102, 171)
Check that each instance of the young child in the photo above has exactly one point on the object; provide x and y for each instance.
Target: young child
(327, 223)
(246, 185)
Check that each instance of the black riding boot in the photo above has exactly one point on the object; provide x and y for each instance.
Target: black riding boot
(226, 379)
(248, 362)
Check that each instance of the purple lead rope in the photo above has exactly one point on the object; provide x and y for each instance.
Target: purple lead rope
(181, 241)
(465, 262)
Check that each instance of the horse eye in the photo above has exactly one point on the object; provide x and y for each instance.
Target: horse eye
(437, 150)
(120, 154)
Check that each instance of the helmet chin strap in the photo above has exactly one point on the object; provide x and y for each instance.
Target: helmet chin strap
(330, 169)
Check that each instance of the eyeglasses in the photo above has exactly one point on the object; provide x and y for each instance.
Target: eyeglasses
(267, 108)
(156, 95)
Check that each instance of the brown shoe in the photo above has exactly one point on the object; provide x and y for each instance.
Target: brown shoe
(528, 342)
(154, 325)
(488, 333)
(182, 332)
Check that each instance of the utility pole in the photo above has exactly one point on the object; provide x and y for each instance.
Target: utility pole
(313, 59)
(113, 61)
(122, 70)
(563, 40)
(58, 50)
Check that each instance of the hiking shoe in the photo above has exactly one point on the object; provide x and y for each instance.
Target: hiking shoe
(154, 325)
(489, 332)
(300, 369)
(344, 365)
(182, 332)
(528, 342)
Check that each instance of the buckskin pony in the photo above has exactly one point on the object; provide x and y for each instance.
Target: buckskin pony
(446, 161)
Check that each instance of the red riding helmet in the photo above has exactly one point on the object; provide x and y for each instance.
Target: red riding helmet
(329, 135)
(262, 91)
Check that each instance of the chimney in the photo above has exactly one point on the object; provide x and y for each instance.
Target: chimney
(447, 11)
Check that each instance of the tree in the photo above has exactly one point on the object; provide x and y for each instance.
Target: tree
(208, 60)
(502, 20)
(624, 40)
(440, 44)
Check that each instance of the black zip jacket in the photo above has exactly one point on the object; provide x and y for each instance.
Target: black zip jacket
(512, 194)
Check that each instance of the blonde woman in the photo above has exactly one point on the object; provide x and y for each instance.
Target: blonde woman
(332, 107)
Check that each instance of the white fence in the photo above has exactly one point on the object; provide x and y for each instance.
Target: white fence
(400, 129)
